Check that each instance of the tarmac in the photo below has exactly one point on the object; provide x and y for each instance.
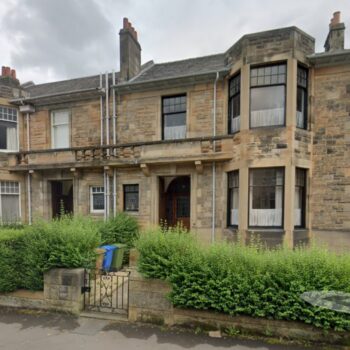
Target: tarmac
(30, 330)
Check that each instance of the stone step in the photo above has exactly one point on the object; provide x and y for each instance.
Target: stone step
(104, 316)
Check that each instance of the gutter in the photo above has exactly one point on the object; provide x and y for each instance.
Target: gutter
(130, 86)
(71, 92)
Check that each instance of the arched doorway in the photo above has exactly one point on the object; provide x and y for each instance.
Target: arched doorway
(175, 203)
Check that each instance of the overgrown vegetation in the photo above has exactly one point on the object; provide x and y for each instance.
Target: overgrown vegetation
(70, 242)
(240, 280)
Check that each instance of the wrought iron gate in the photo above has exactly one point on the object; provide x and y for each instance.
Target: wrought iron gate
(106, 291)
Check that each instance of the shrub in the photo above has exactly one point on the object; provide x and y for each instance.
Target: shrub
(122, 228)
(68, 242)
(235, 279)
(9, 259)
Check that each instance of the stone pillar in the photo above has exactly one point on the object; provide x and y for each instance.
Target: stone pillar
(243, 201)
(63, 290)
(245, 97)
(148, 300)
(289, 194)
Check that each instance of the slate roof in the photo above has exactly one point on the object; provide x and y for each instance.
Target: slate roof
(71, 85)
(177, 69)
(151, 72)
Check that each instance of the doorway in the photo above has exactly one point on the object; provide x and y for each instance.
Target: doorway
(62, 197)
(174, 201)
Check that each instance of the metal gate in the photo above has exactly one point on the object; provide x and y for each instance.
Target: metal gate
(106, 291)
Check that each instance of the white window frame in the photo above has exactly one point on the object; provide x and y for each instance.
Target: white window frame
(11, 194)
(17, 129)
(92, 210)
(53, 125)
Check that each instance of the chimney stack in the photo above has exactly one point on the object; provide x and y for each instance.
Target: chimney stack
(130, 51)
(335, 38)
(8, 77)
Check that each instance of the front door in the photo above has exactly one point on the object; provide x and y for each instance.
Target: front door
(175, 203)
(62, 197)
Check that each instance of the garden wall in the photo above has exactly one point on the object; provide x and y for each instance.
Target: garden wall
(62, 292)
(148, 302)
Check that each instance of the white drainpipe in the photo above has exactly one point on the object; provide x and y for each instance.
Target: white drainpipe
(214, 164)
(101, 111)
(114, 142)
(29, 177)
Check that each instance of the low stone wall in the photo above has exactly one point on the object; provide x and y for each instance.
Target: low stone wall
(62, 292)
(148, 302)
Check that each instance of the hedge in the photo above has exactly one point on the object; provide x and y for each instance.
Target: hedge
(240, 280)
(70, 242)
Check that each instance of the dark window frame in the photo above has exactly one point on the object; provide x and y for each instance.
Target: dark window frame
(305, 90)
(231, 98)
(304, 196)
(125, 193)
(283, 206)
(229, 197)
(268, 64)
(173, 113)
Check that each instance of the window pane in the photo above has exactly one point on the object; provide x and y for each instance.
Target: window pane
(61, 136)
(174, 126)
(300, 197)
(182, 207)
(266, 197)
(98, 201)
(131, 197)
(10, 209)
(3, 137)
(233, 198)
(267, 106)
(60, 117)
(268, 75)
(8, 136)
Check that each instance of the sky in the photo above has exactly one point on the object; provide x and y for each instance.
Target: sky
(48, 40)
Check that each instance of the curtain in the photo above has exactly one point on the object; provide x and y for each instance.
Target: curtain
(11, 135)
(297, 208)
(235, 206)
(235, 124)
(61, 136)
(174, 132)
(10, 209)
(300, 119)
(266, 117)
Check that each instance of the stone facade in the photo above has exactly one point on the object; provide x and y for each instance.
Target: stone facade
(116, 139)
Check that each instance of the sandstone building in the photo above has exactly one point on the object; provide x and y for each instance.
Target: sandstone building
(254, 139)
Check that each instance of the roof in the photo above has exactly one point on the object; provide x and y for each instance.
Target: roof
(66, 86)
(182, 68)
(328, 58)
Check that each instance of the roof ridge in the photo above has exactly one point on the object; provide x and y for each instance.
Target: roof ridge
(190, 59)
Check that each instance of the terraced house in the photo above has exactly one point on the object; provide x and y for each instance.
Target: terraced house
(254, 139)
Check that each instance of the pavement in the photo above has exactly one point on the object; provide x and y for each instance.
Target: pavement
(29, 330)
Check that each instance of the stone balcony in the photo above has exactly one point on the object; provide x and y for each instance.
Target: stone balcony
(197, 150)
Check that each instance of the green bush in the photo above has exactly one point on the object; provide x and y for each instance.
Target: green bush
(26, 254)
(122, 228)
(68, 242)
(9, 260)
(235, 279)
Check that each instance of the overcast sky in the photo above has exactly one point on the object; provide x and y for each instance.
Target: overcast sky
(47, 40)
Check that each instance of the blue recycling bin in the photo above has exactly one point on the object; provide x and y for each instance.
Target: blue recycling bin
(108, 258)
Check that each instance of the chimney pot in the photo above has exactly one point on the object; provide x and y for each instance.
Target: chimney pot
(125, 23)
(13, 73)
(3, 71)
(7, 71)
(335, 38)
(336, 17)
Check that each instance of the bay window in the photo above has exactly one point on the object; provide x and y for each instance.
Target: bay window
(60, 129)
(8, 129)
(302, 96)
(234, 104)
(268, 95)
(9, 202)
(300, 198)
(266, 187)
(233, 198)
(174, 117)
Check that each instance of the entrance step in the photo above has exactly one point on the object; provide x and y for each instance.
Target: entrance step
(105, 316)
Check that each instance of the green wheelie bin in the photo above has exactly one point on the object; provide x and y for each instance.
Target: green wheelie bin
(117, 261)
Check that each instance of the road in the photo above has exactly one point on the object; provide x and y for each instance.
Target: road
(38, 331)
